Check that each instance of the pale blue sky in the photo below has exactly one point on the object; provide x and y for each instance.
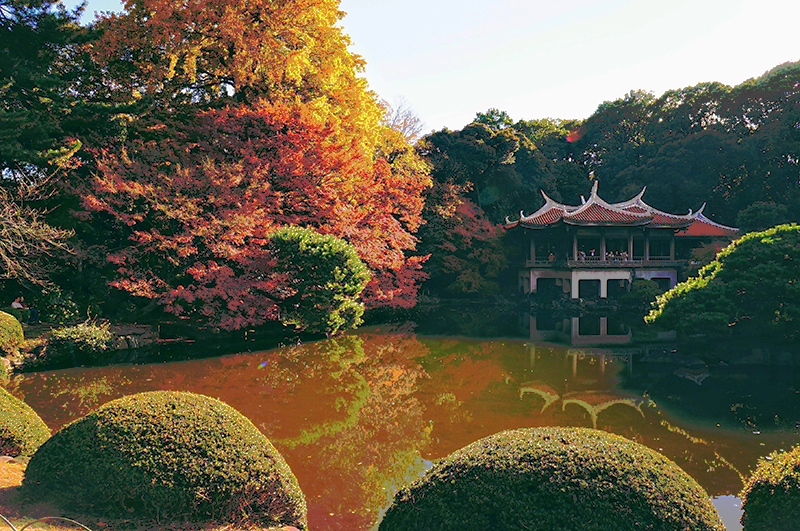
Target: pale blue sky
(449, 59)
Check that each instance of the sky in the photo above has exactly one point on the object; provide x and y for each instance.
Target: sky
(449, 59)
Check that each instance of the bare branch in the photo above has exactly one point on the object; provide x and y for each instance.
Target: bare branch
(26, 241)
(402, 119)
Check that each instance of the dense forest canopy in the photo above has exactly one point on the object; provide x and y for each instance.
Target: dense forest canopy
(168, 143)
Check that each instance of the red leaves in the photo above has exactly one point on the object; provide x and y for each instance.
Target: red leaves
(202, 197)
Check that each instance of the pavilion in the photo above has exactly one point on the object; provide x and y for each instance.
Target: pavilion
(597, 248)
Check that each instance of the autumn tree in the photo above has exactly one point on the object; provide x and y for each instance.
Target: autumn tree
(245, 118)
(199, 217)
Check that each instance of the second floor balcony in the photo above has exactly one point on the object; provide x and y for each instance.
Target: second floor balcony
(594, 262)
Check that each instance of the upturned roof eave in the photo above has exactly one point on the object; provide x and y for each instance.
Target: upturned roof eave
(577, 222)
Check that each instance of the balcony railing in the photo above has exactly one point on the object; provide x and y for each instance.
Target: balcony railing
(596, 261)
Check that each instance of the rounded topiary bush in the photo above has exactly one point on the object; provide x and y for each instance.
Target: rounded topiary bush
(553, 478)
(167, 454)
(771, 496)
(22, 431)
(11, 335)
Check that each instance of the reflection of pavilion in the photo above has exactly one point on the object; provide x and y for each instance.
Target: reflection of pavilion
(543, 389)
(598, 248)
(595, 402)
(580, 331)
(601, 357)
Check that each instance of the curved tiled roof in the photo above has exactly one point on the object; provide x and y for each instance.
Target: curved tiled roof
(632, 212)
(595, 211)
(660, 218)
(702, 226)
(551, 213)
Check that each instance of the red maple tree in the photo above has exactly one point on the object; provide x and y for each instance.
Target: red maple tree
(200, 198)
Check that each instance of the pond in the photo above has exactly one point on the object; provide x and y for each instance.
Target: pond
(358, 416)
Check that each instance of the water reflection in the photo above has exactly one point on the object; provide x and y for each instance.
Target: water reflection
(359, 415)
(578, 330)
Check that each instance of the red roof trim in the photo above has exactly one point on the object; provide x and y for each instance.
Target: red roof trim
(633, 212)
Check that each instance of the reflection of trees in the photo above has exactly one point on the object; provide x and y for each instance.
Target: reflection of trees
(357, 463)
(60, 397)
(750, 397)
(355, 416)
(470, 392)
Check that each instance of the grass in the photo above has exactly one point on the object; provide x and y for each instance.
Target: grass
(20, 514)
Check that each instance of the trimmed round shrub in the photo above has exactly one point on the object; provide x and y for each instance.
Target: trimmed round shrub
(553, 478)
(771, 496)
(22, 431)
(167, 454)
(11, 335)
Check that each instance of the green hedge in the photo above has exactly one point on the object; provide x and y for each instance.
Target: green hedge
(167, 454)
(771, 496)
(22, 314)
(70, 346)
(22, 431)
(547, 479)
(11, 335)
(87, 341)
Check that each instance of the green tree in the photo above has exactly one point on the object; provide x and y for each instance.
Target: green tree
(751, 289)
(762, 215)
(37, 38)
(318, 279)
(494, 119)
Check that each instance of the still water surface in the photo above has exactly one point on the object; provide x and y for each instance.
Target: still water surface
(360, 415)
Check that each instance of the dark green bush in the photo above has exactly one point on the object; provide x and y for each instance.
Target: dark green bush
(83, 343)
(11, 335)
(167, 454)
(771, 496)
(22, 431)
(21, 314)
(58, 307)
(547, 479)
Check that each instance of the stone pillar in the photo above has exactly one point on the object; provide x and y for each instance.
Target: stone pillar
(575, 285)
(574, 247)
(603, 287)
(672, 248)
(602, 246)
(646, 246)
(630, 246)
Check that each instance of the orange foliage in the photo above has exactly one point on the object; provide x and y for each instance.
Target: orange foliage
(201, 198)
(285, 50)
(251, 116)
